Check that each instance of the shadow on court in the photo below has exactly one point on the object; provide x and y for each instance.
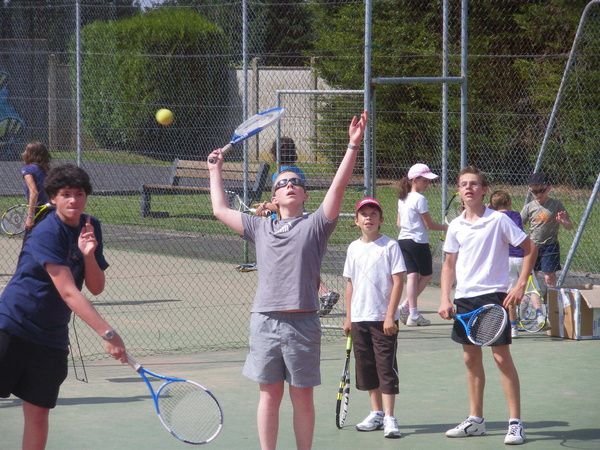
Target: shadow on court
(559, 389)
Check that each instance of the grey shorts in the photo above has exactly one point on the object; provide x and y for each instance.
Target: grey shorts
(284, 346)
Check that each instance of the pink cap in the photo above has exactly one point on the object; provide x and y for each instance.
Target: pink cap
(421, 170)
(367, 201)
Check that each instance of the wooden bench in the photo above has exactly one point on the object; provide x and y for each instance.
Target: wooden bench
(192, 177)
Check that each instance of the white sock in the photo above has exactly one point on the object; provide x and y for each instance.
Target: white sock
(476, 419)
(404, 306)
(414, 313)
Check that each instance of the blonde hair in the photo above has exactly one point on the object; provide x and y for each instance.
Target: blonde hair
(500, 200)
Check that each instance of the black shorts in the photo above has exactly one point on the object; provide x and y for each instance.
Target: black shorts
(417, 257)
(375, 356)
(465, 305)
(30, 371)
(548, 258)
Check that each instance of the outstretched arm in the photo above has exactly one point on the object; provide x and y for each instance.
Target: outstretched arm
(220, 206)
(65, 285)
(333, 199)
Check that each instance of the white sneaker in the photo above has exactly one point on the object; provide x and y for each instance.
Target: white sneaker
(467, 427)
(390, 428)
(514, 333)
(515, 435)
(540, 319)
(374, 421)
(404, 313)
(420, 321)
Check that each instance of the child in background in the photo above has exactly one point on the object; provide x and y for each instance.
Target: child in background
(374, 270)
(476, 258)
(414, 221)
(544, 216)
(500, 201)
(37, 164)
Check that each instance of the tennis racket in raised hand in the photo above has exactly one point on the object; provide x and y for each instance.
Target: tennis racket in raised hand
(343, 395)
(252, 126)
(484, 325)
(188, 410)
(14, 218)
(532, 312)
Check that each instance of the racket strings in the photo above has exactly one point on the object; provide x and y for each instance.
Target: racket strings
(13, 221)
(486, 325)
(189, 412)
(532, 312)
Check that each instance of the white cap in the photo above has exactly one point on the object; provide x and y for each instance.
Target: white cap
(421, 170)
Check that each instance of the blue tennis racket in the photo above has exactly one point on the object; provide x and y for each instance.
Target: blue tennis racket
(252, 126)
(188, 410)
(484, 325)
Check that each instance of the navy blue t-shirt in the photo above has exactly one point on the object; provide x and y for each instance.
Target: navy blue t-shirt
(38, 176)
(30, 305)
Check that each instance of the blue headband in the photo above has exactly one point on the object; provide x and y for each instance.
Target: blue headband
(297, 170)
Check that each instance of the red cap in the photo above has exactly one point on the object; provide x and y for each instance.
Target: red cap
(367, 201)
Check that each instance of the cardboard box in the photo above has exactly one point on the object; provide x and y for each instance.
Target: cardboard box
(574, 313)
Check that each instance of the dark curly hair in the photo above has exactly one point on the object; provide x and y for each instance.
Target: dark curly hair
(67, 175)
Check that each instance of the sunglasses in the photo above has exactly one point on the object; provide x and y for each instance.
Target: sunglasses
(539, 191)
(284, 182)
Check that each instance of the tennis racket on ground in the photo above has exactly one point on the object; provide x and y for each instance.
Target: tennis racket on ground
(343, 395)
(252, 126)
(14, 218)
(188, 410)
(484, 325)
(532, 312)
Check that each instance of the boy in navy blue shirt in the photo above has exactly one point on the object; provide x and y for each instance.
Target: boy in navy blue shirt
(63, 252)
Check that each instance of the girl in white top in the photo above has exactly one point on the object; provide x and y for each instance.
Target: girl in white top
(414, 221)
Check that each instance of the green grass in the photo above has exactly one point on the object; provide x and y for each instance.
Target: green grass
(192, 213)
(109, 156)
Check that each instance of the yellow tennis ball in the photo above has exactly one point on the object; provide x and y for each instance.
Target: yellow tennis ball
(164, 116)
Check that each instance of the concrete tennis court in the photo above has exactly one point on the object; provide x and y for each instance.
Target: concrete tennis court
(559, 384)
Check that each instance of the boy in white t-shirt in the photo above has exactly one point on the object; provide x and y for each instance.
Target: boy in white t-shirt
(476, 249)
(374, 269)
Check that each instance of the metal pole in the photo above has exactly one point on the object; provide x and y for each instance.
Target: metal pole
(464, 17)
(78, 80)
(577, 238)
(444, 106)
(557, 101)
(245, 104)
(368, 147)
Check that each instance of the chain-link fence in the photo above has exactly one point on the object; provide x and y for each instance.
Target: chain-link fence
(172, 284)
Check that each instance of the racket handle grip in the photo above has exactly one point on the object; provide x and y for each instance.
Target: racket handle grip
(133, 363)
(224, 151)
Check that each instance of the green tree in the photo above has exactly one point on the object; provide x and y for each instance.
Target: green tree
(165, 58)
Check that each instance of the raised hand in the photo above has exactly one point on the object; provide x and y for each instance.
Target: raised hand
(87, 239)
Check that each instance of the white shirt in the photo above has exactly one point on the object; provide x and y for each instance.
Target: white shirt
(411, 222)
(370, 266)
(482, 247)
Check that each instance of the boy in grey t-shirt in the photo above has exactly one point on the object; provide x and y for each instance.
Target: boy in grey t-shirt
(285, 332)
(545, 215)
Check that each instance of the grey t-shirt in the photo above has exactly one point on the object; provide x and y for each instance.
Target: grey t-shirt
(288, 258)
(543, 226)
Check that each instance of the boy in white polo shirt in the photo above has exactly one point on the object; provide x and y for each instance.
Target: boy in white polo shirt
(476, 257)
